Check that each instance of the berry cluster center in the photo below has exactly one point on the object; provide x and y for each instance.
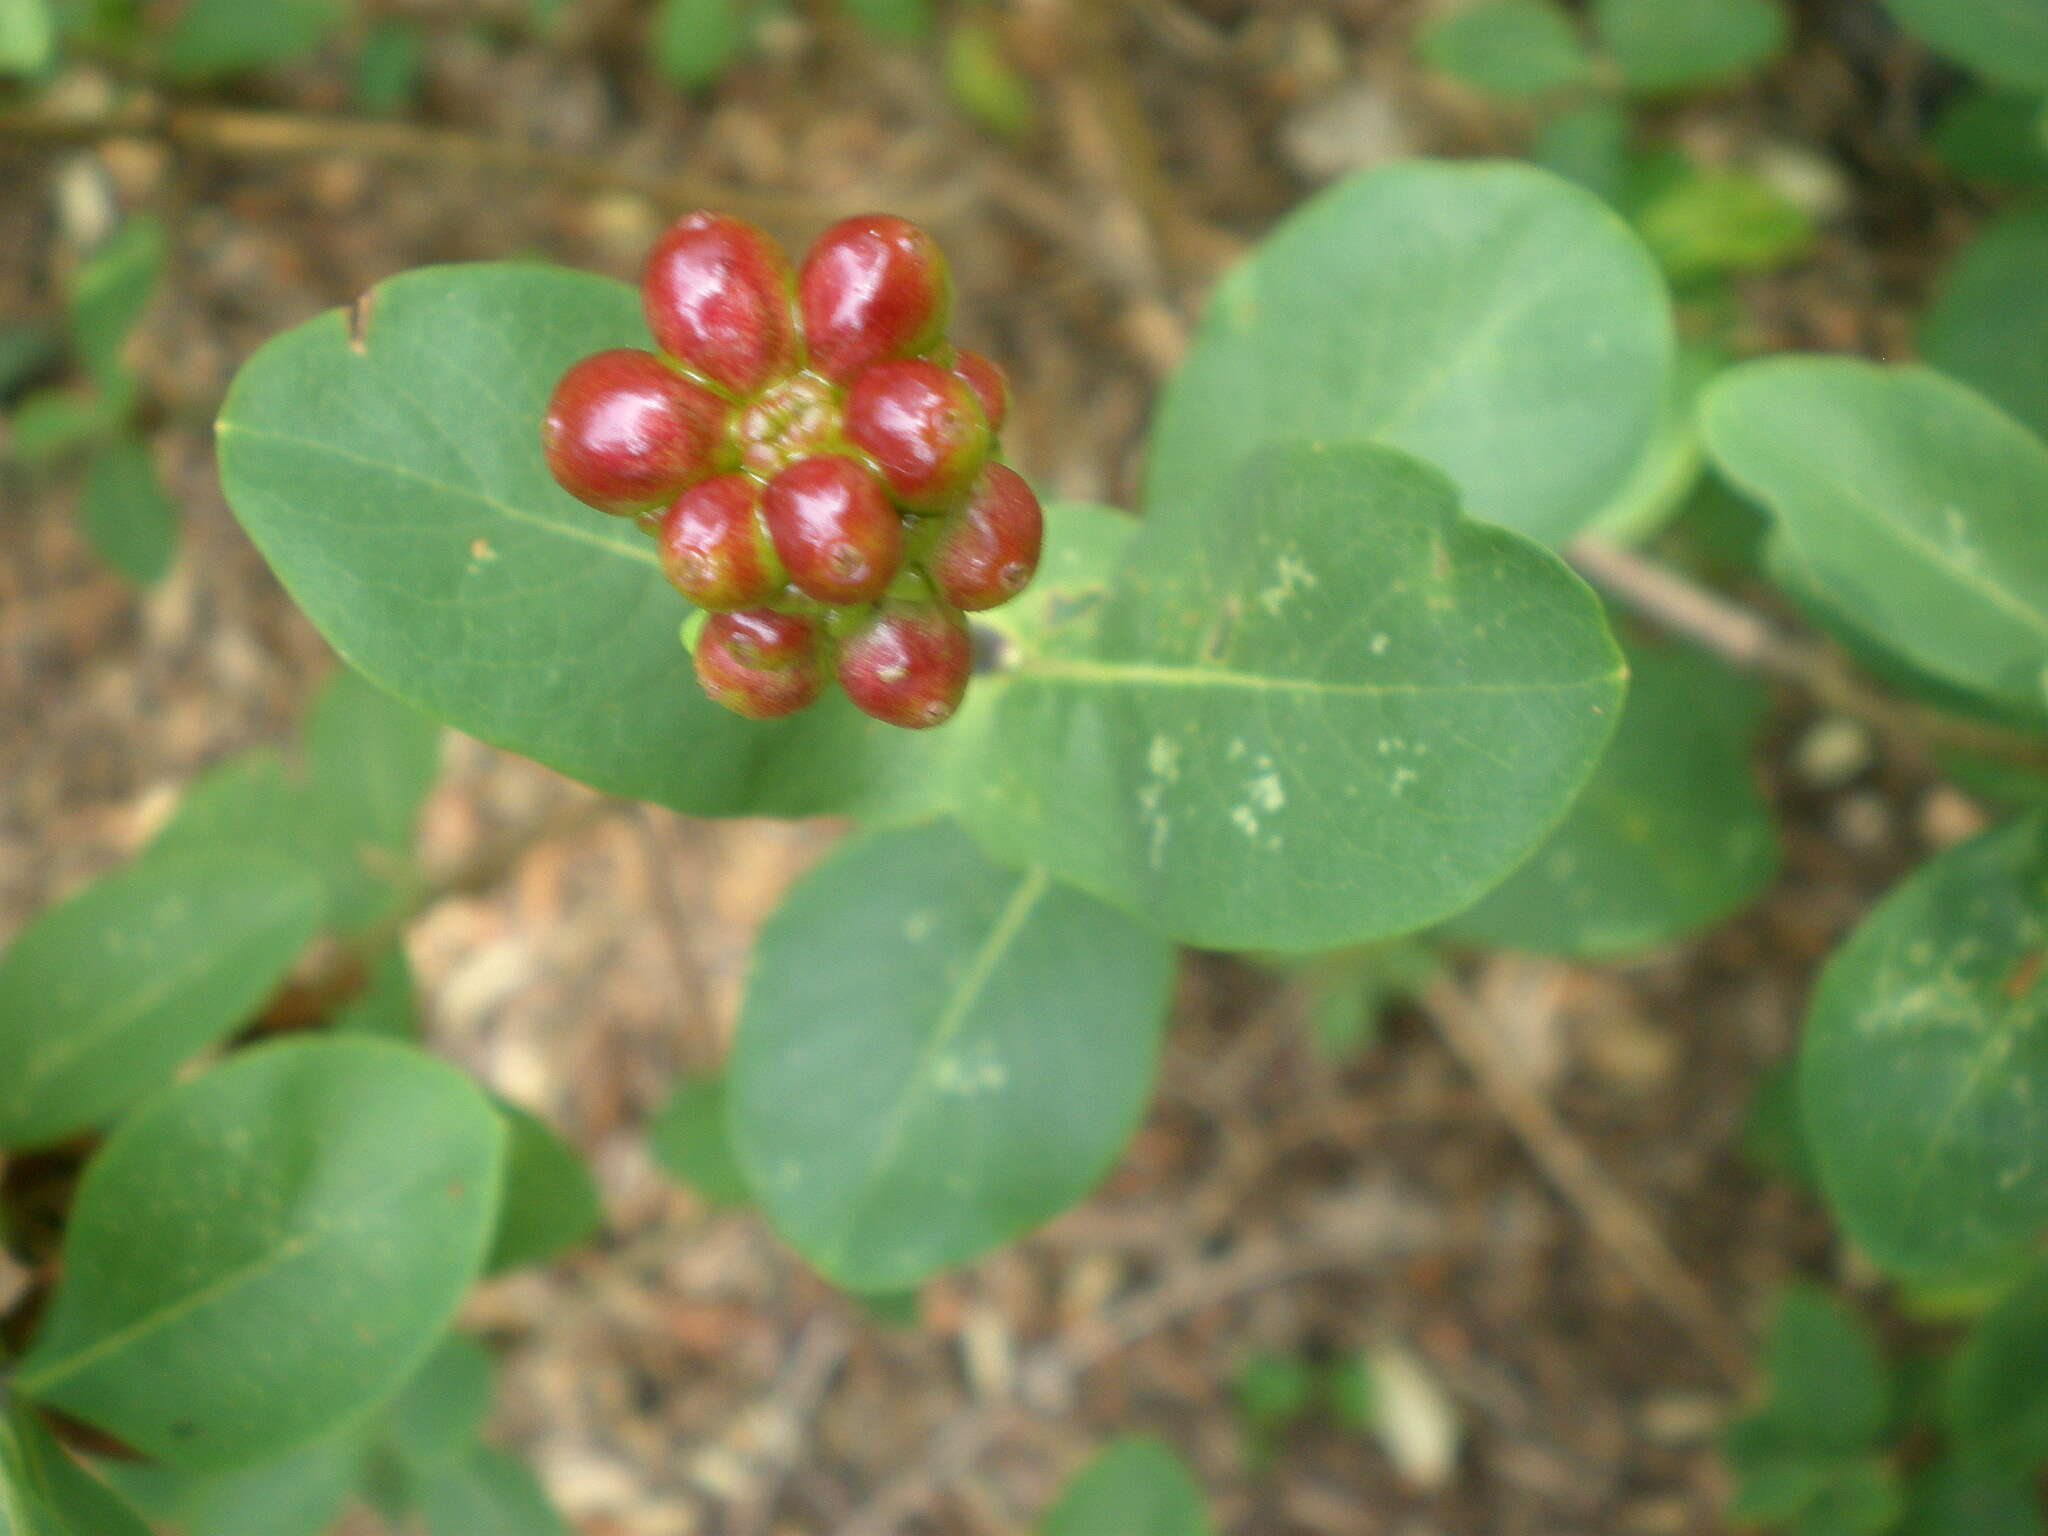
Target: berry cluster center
(817, 462)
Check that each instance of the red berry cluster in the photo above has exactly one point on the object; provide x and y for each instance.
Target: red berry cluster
(816, 462)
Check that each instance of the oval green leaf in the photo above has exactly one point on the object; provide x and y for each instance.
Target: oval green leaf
(268, 1250)
(1508, 48)
(1324, 709)
(1924, 1072)
(1671, 835)
(1492, 319)
(936, 1054)
(1136, 1487)
(102, 997)
(486, 1491)
(691, 1144)
(1677, 45)
(2004, 39)
(551, 1202)
(1989, 325)
(1912, 504)
(390, 471)
(131, 523)
(43, 1492)
(1996, 1402)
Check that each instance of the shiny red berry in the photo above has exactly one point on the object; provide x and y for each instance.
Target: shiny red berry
(872, 287)
(923, 428)
(760, 664)
(715, 548)
(990, 384)
(717, 293)
(989, 551)
(626, 432)
(909, 664)
(834, 529)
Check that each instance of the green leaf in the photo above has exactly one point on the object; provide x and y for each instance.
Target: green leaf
(1950, 1499)
(1773, 1137)
(1989, 135)
(936, 1053)
(301, 1494)
(110, 293)
(1135, 1487)
(1590, 145)
(1671, 835)
(487, 1491)
(1989, 325)
(1273, 1391)
(1996, 1403)
(695, 41)
(1924, 1074)
(1490, 319)
(399, 492)
(551, 1203)
(43, 1492)
(984, 83)
(371, 762)
(894, 21)
(388, 69)
(691, 1143)
(51, 422)
(1910, 502)
(1715, 222)
(27, 352)
(1508, 48)
(436, 1419)
(28, 38)
(2004, 39)
(1669, 472)
(128, 518)
(262, 1253)
(1863, 1499)
(1284, 727)
(387, 1005)
(216, 39)
(1662, 46)
(103, 997)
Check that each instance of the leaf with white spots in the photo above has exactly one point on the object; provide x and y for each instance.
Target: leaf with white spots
(1321, 708)
(936, 1054)
(1911, 503)
(389, 468)
(1924, 1074)
(1492, 319)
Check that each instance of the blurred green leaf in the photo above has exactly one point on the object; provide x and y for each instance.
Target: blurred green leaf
(268, 1250)
(50, 422)
(984, 83)
(894, 21)
(1992, 135)
(388, 68)
(937, 1053)
(1273, 1391)
(387, 1005)
(1662, 46)
(299, 1494)
(2006, 40)
(110, 293)
(129, 519)
(1715, 222)
(1590, 145)
(103, 996)
(43, 1492)
(1134, 1487)
(28, 37)
(1513, 49)
(1951, 1499)
(551, 1202)
(216, 39)
(371, 762)
(486, 1491)
(1671, 835)
(1996, 1403)
(691, 1142)
(695, 41)
(1989, 322)
(437, 1416)
(892, 1309)
(26, 352)
(1773, 1139)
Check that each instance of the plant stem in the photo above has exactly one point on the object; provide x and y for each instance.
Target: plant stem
(1748, 640)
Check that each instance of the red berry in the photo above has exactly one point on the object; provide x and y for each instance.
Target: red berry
(715, 548)
(625, 431)
(873, 287)
(836, 533)
(760, 664)
(909, 665)
(923, 427)
(717, 295)
(989, 551)
(990, 384)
